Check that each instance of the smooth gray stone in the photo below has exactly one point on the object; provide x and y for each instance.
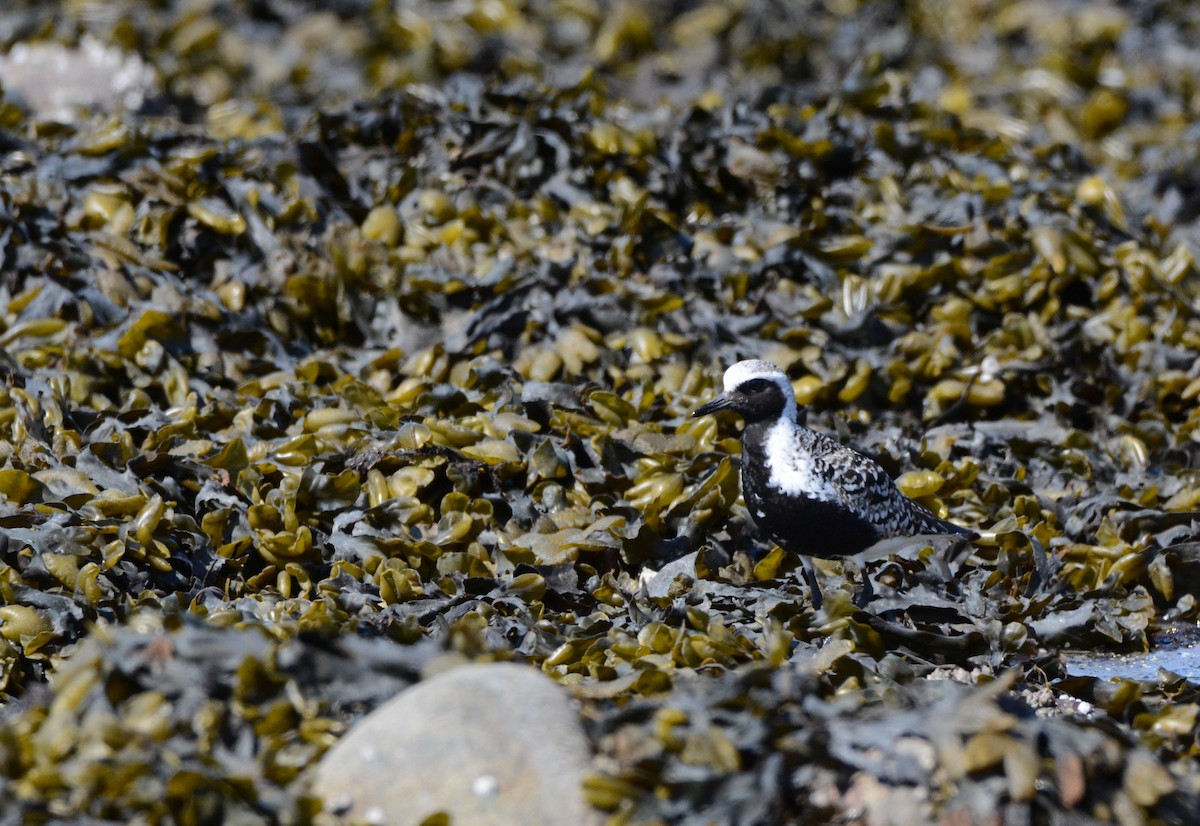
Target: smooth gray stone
(494, 744)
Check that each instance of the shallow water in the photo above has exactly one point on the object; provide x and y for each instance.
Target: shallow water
(1176, 652)
(1184, 662)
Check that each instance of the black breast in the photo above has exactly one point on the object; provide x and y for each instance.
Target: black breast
(798, 523)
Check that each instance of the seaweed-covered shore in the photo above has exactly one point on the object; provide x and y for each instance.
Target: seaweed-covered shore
(344, 337)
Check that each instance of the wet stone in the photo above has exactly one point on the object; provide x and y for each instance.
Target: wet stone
(489, 744)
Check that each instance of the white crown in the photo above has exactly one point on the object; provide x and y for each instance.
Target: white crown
(744, 371)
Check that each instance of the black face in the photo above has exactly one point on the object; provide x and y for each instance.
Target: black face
(757, 400)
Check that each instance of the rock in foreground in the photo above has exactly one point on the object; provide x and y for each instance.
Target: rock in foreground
(488, 744)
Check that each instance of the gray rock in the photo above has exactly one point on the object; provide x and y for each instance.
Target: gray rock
(491, 744)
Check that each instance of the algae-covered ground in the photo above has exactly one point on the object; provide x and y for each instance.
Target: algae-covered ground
(350, 335)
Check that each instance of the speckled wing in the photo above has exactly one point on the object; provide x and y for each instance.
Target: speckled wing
(865, 488)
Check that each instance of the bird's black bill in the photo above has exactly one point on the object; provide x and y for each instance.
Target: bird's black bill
(721, 402)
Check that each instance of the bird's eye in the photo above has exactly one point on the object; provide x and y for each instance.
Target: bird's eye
(755, 386)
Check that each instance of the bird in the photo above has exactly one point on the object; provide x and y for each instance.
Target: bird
(812, 495)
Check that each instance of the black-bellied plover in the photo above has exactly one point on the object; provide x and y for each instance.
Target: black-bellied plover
(812, 495)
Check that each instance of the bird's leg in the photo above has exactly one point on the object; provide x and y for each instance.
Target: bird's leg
(868, 590)
(950, 556)
(810, 577)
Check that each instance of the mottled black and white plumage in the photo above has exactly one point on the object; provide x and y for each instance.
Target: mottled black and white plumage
(811, 494)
